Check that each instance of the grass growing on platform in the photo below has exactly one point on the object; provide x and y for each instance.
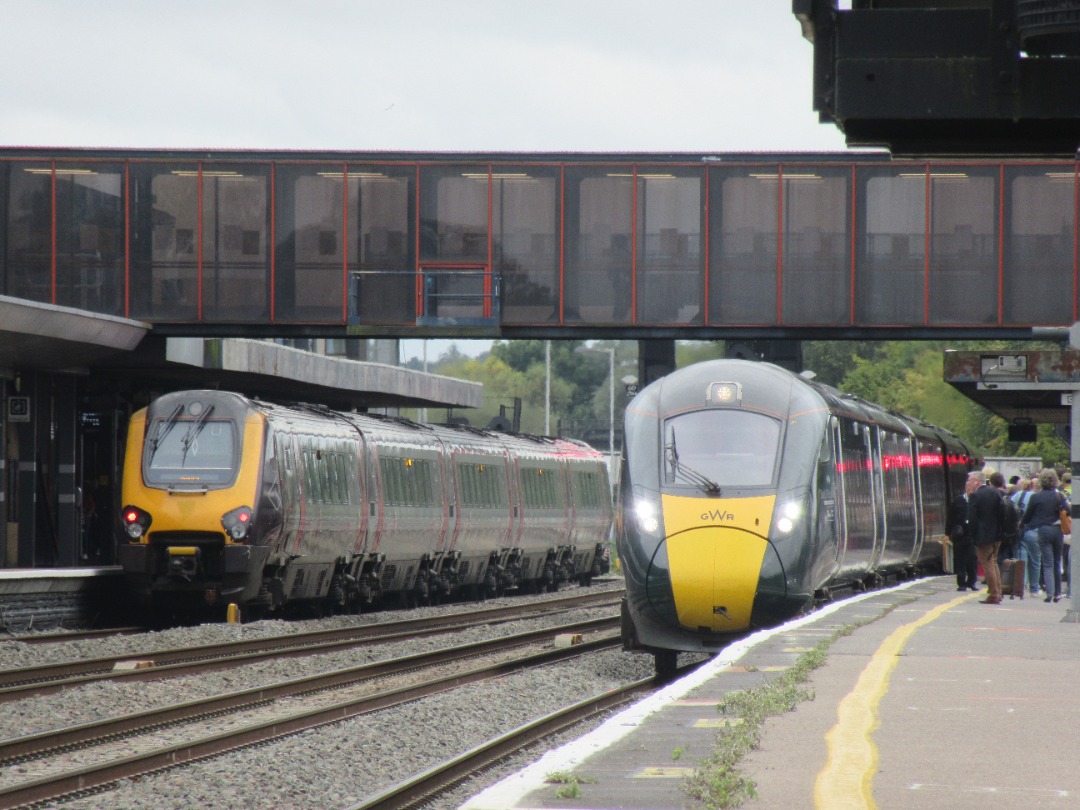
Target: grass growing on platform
(717, 781)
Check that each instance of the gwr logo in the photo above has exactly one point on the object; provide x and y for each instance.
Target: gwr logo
(716, 516)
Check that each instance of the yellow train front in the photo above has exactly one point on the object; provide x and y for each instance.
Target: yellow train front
(199, 515)
(747, 492)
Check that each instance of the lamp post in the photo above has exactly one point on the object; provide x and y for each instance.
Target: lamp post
(611, 402)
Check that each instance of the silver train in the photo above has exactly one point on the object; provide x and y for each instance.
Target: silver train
(233, 501)
(748, 493)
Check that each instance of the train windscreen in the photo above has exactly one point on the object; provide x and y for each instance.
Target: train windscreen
(201, 452)
(713, 448)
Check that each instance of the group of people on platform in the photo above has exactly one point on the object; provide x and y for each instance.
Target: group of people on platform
(981, 535)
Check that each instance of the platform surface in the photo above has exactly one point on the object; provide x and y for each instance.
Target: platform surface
(933, 700)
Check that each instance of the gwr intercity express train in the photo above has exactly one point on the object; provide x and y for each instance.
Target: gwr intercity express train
(228, 500)
(747, 493)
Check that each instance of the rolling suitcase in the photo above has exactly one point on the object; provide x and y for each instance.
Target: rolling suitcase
(1013, 581)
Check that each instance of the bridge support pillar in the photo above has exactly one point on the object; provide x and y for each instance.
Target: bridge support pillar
(656, 358)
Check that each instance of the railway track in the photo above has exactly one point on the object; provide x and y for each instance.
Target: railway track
(72, 635)
(16, 684)
(425, 787)
(256, 715)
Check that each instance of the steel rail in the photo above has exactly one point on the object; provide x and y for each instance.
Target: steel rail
(59, 636)
(422, 787)
(17, 684)
(95, 777)
(19, 749)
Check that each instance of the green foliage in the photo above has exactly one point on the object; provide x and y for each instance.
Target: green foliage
(717, 781)
(903, 375)
(688, 352)
(907, 376)
(570, 784)
(830, 360)
(579, 381)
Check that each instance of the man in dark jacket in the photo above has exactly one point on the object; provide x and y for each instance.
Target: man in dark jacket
(965, 563)
(985, 520)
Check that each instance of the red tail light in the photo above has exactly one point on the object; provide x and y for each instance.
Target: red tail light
(136, 521)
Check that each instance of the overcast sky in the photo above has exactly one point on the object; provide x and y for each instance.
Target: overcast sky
(441, 75)
(553, 75)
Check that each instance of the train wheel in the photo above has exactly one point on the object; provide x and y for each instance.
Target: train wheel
(667, 663)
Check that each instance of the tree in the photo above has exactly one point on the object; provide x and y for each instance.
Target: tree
(831, 360)
(688, 352)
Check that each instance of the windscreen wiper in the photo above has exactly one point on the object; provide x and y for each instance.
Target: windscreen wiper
(163, 429)
(680, 470)
(700, 480)
(193, 432)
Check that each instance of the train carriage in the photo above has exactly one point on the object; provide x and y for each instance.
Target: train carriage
(230, 500)
(748, 493)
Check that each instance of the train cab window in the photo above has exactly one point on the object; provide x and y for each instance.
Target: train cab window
(720, 447)
(191, 452)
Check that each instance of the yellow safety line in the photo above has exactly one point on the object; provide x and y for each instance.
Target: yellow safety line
(847, 780)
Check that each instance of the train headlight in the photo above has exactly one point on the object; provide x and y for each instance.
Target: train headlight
(648, 516)
(136, 521)
(237, 522)
(789, 513)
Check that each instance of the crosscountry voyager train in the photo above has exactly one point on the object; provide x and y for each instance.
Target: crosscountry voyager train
(228, 500)
(748, 493)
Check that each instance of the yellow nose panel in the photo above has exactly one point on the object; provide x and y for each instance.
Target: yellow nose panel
(714, 576)
(715, 550)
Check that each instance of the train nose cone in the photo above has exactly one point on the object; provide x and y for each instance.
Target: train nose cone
(714, 575)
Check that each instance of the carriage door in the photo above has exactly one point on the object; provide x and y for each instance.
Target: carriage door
(831, 532)
(292, 502)
(873, 439)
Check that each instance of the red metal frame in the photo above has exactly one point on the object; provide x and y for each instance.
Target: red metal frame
(490, 253)
(633, 247)
(1001, 246)
(706, 237)
(127, 240)
(780, 244)
(636, 169)
(199, 250)
(854, 243)
(419, 277)
(271, 248)
(345, 241)
(52, 233)
(562, 243)
(926, 244)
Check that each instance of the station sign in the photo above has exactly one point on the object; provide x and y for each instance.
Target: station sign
(18, 409)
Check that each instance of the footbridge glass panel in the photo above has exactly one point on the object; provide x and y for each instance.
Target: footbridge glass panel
(613, 242)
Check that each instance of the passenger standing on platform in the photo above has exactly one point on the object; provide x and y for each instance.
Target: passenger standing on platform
(964, 561)
(1005, 550)
(985, 520)
(1028, 547)
(1043, 515)
(1066, 487)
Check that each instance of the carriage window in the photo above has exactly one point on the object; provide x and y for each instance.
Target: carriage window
(713, 448)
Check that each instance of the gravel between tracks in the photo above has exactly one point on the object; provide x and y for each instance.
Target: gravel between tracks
(334, 766)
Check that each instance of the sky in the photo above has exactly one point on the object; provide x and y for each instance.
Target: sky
(446, 75)
(440, 75)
